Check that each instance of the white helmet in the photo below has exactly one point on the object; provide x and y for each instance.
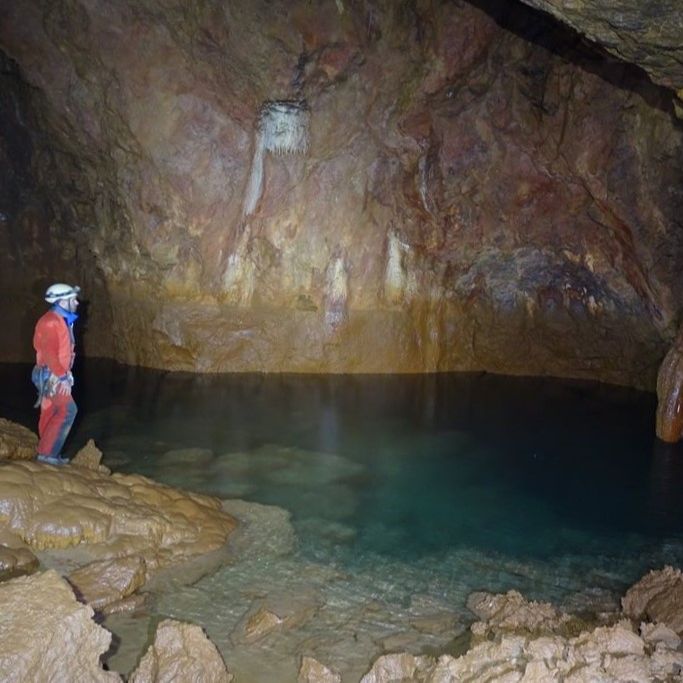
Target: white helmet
(60, 291)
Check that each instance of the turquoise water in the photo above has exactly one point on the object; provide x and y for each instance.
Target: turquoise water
(403, 466)
(427, 486)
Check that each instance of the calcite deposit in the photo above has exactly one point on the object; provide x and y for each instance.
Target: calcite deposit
(669, 425)
(47, 635)
(105, 582)
(16, 441)
(108, 516)
(482, 189)
(657, 597)
(517, 650)
(181, 652)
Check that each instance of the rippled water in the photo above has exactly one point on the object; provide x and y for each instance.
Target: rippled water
(404, 494)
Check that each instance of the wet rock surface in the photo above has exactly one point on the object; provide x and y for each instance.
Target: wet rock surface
(108, 516)
(47, 635)
(513, 652)
(481, 189)
(181, 652)
(16, 442)
(669, 424)
(102, 583)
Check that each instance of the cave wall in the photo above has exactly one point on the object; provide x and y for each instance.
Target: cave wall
(483, 189)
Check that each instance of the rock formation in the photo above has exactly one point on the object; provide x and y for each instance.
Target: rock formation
(482, 190)
(516, 649)
(16, 442)
(181, 652)
(108, 516)
(648, 35)
(670, 393)
(657, 597)
(312, 671)
(47, 635)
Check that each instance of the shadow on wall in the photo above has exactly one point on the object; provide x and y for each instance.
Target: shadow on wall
(534, 26)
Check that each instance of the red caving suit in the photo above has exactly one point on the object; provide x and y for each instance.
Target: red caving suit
(53, 340)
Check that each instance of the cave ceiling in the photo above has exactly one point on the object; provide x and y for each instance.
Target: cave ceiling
(648, 34)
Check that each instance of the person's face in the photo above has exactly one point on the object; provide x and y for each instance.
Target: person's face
(69, 304)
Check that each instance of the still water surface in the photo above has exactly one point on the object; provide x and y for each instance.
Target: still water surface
(416, 490)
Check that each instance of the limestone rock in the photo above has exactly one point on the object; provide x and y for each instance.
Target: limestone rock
(613, 653)
(669, 425)
(181, 652)
(398, 667)
(312, 671)
(15, 561)
(511, 612)
(647, 35)
(47, 635)
(659, 633)
(658, 596)
(274, 612)
(90, 456)
(133, 603)
(260, 624)
(514, 651)
(104, 582)
(16, 442)
(109, 516)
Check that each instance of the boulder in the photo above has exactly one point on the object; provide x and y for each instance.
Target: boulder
(658, 596)
(398, 667)
(105, 582)
(46, 635)
(16, 561)
(512, 612)
(181, 652)
(312, 671)
(276, 611)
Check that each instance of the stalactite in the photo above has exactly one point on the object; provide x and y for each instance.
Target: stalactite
(337, 293)
(394, 274)
(281, 128)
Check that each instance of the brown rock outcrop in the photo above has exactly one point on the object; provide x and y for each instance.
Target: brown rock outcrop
(312, 671)
(110, 516)
(105, 582)
(648, 34)
(670, 394)
(181, 652)
(16, 442)
(658, 596)
(47, 635)
(16, 561)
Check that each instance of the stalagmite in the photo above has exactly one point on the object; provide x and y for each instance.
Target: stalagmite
(669, 388)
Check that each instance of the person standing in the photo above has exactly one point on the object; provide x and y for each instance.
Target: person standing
(53, 341)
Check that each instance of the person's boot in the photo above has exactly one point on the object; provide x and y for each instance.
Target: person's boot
(52, 459)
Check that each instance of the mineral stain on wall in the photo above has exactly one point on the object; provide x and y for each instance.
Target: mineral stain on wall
(483, 188)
